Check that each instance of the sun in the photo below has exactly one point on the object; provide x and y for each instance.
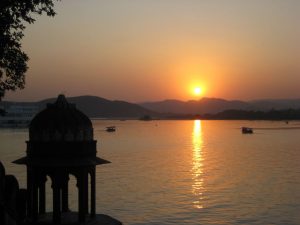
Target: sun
(197, 90)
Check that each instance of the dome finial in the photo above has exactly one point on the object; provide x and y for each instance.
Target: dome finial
(61, 102)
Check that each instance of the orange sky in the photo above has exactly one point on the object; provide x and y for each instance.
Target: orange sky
(160, 49)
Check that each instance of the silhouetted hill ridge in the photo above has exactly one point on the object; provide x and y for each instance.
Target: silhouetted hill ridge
(94, 106)
(267, 104)
(216, 105)
(204, 105)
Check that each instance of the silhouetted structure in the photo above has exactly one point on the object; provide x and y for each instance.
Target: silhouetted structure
(61, 144)
(111, 129)
(12, 200)
(247, 130)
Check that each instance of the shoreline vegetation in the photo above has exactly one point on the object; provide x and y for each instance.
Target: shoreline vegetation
(213, 109)
(272, 115)
(286, 114)
(276, 115)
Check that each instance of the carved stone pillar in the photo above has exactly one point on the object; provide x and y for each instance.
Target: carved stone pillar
(81, 178)
(42, 195)
(65, 193)
(32, 187)
(93, 192)
(86, 192)
(56, 200)
(29, 193)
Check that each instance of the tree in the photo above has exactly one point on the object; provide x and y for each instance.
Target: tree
(13, 61)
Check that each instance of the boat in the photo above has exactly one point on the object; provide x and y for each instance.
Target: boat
(146, 118)
(247, 130)
(111, 129)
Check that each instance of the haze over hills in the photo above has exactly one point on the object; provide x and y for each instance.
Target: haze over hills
(97, 107)
(215, 105)
(268, 104)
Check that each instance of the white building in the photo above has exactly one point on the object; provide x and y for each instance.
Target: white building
(18, 114)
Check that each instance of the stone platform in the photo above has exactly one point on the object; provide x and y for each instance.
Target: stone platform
(71, 218)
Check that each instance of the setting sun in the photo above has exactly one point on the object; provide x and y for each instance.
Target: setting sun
(197, 90)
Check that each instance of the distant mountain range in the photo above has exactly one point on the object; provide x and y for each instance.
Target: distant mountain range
(96, 107)
(215, 105)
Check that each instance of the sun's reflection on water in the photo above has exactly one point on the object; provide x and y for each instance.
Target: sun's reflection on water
(197, 165)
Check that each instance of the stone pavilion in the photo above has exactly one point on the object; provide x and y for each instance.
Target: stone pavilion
(61, 143)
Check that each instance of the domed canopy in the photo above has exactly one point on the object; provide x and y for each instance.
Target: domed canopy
(60, 121)
(61, 135)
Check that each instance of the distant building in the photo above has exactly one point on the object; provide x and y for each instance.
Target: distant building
(17, 114)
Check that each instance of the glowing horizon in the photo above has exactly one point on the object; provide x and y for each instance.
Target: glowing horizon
(154, 50)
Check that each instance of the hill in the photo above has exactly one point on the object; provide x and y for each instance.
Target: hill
(204, 105)
(279, 104)
(96, 107)
(216, 105)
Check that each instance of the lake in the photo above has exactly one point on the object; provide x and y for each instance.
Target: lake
(188, 172)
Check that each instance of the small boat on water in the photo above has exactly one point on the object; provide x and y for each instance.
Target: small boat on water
(111, 129)
(146, 118)
(247, 130)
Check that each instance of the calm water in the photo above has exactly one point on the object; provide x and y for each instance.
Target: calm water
(189, 172)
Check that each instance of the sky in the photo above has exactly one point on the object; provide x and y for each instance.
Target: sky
(151, 50)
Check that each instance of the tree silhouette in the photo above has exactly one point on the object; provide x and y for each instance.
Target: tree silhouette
(13, 61)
